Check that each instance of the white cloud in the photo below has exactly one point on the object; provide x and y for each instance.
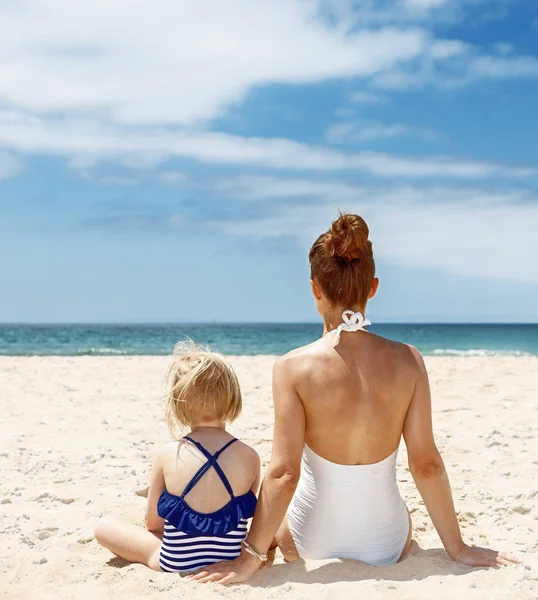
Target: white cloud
(425, 4)
(497, 67)
(117, 180)
(365, 97)
(137, 81)
(256, 187)
(360, 131)
(465, 231)
(504, 48)
(176, 61)
(171, 177)
(86, 142)
(445, 49)
(350, 13)
(138, 171)
(452, 64)
(112, 80)
(9, 166)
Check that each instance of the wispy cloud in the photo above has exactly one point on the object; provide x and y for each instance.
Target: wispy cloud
(132, 172)
(504, 48)
(476, 232)
(473, 231)
(87, 141)
(9, 166)
(172, 177)
(453, 64)
(352, 13)
(360, 131)
(118, 180)
(423, 5)
(517, 67)
(365, 97)
(260, 187)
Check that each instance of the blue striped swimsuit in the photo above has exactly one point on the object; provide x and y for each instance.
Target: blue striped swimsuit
(192, 539)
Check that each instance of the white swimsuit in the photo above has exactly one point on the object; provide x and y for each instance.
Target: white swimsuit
(348, 511)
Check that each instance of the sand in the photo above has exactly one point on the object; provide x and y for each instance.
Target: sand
(77, 436)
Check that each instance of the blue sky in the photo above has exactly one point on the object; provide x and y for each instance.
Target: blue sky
(174, 161)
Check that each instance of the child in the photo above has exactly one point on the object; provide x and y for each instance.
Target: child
(202, 487)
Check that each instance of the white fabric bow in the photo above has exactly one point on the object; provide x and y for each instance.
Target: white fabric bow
(352, 321)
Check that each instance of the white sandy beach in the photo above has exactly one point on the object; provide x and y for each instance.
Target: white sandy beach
(77, 437)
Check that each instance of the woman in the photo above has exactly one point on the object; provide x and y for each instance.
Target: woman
(341, 407)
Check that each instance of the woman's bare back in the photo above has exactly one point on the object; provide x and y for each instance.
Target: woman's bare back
(355, 395)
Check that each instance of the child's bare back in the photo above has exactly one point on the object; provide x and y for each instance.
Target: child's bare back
(181, 460)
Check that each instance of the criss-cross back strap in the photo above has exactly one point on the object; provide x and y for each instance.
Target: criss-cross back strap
(211, 462)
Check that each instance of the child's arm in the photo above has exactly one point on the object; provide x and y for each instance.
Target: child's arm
(155, 523)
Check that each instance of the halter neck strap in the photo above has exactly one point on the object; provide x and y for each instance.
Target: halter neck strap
(352, 321)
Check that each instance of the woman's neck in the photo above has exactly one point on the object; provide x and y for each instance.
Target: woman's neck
(332, 318)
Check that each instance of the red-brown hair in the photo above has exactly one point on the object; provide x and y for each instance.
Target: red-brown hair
(342, 262)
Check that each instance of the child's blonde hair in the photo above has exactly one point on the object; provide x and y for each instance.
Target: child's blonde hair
(201, 384)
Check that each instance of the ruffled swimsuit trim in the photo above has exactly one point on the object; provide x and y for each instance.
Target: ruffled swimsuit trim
(184, 518)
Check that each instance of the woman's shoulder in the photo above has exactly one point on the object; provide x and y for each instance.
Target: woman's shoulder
(315, 356)
(405, 352)
(405, 361)
(299, 360)
(412, 358)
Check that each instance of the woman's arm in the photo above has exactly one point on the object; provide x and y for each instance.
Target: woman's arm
(284, 470)
(428, 471)
(154, 523)
(255, 487)
(278, 485)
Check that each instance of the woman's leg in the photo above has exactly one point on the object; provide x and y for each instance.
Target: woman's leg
(131, 542)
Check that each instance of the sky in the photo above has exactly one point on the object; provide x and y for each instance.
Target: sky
(175, 160)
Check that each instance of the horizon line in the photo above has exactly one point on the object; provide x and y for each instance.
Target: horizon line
(214, 322)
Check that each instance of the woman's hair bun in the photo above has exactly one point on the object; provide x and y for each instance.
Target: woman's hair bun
(347, 237)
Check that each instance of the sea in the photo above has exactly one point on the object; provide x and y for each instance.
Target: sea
(254, 339)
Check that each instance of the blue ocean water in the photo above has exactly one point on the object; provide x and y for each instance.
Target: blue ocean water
(251, 339)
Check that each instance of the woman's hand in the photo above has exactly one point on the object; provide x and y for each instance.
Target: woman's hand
(473, 556)
(227, 572)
